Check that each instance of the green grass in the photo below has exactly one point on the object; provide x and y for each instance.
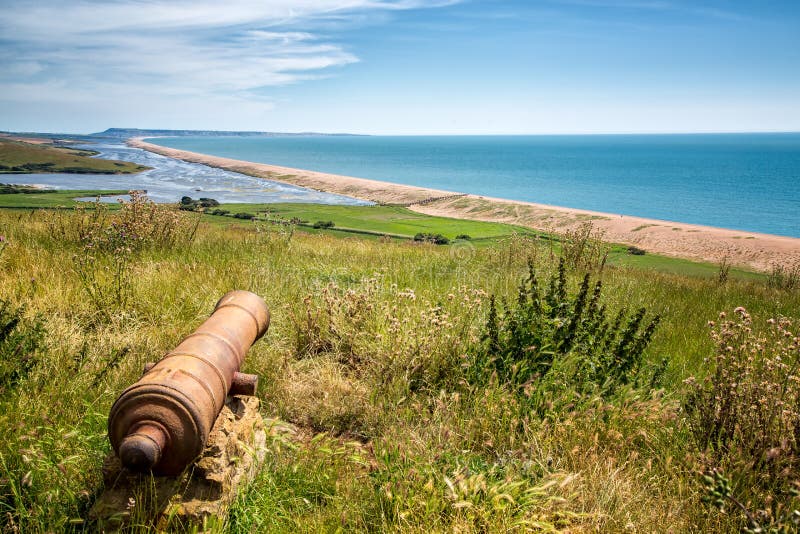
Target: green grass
(402, 222)
(620, 257)
(372, 222)
(18, 157)
(381, 219)
(367, 355)
(54, 199)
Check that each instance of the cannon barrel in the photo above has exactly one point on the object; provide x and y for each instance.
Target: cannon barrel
(161, 423)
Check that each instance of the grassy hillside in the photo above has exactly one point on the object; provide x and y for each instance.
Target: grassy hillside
(17, 157)
(417, 408)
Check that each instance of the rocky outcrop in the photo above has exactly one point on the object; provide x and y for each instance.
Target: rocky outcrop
(201, 496)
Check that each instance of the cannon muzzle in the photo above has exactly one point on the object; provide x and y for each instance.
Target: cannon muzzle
(161, 423)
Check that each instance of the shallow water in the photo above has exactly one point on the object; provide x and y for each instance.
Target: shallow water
(171, 179)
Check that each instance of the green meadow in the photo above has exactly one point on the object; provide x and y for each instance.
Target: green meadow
(374, 222)
(428, 388)
(52, 198)
(378, 219)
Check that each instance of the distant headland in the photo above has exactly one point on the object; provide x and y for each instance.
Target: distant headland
(127, 133)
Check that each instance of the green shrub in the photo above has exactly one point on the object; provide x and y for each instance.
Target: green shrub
(244, 215)
(636, 251)
(465, 237)
(323, 224)
(207, 203)
(546, 329)
(436, 239)
(189, 204)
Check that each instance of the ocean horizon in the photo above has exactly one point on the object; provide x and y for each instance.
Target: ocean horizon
(747, 181)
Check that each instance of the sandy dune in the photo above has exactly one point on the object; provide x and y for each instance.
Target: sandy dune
(705, 243)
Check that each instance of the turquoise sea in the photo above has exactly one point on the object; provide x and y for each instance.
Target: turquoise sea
(741, 181)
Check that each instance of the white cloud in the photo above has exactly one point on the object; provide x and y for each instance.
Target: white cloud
(171, 51)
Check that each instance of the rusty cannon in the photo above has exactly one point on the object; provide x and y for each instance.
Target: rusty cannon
(161, 423)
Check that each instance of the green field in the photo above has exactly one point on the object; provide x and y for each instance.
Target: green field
(379, 219)
(373, 222)
(53, 199)
(402, 222)
(17, 157)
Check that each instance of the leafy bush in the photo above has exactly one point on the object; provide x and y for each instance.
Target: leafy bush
(465, 237)
(220, 212)
(189, 204)
(244, 215)
(547, 329)
(636, 251)
(323, 224)
(207, 202)
(436, 239)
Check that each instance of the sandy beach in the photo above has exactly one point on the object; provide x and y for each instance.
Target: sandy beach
(704, 243)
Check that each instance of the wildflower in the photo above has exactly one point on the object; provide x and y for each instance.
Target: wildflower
(2, 239)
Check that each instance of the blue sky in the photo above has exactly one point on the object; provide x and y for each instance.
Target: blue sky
(401, 66)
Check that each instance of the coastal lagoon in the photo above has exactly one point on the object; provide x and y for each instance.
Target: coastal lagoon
(739, 181)
(170, 179)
